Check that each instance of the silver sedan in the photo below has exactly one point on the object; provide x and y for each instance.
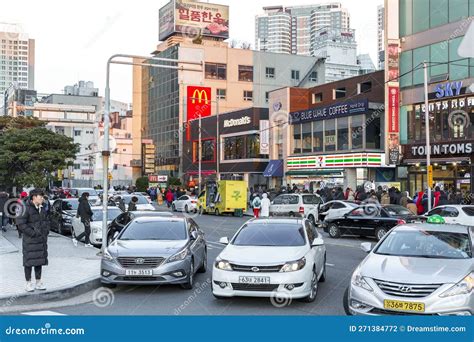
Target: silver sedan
(155, 250)
(420, 269)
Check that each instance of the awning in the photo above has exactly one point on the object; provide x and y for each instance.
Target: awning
(329, 172)
(274, 169)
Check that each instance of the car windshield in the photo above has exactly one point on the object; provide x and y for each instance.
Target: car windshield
(141, 199)
(426, 244)
(71, 204)
(168, 230)
(395, 210)
(91, 192)
(271, 234)
(112, 213)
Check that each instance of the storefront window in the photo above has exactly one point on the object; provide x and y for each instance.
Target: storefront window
(418, 122)
(411, 123)
(207, 148)
(342, 134)
(438, 12)
(297, 139)
(253, 146)
(234, 148)
(330, 135)
(357, 131)
(437, 127)
(373, 132)
(318, 136)
(445, 122)
(439, 54)
(307, 137)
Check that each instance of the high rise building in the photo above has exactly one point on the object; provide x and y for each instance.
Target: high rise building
(291, 29)
(381, 36)
(17, 59)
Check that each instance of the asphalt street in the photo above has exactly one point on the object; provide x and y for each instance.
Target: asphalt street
(343, 256)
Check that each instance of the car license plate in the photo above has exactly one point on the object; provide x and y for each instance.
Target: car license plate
(403, 306)
(254, 280)
(139, 273)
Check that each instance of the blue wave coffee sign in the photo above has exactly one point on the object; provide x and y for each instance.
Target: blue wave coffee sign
(340, 109)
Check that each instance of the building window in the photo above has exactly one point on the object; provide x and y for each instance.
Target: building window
(343, 134)
(357, 132)
(330, 135)
(339, 93)
(297, 139)
(313, 77)
(216, 71)
(318, 136)
(373, 132)
(295, 75)
(248, 95)
(77, 133)
(365, 87)
(306, 137)
(317, 98)
(270, 72)
(221, 94)
(245, 73)
(207, 150)
(267, 96)
(242, 147)
(77, 166)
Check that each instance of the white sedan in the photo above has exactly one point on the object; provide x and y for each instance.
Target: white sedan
(96, 224)
(185, 203)
(276, 258)
(455, 214)
(330, 210)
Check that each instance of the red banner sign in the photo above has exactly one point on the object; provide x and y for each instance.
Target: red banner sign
(393, 110)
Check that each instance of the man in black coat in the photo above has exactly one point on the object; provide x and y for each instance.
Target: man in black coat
(84, 211)
(3, 210)
(34, 223)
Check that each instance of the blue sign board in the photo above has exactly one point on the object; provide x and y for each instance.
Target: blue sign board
(448, 89)
(340, 109)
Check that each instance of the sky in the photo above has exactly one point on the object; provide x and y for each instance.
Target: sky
(75, 39)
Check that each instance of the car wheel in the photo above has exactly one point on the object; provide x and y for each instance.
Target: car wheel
(312, 219)
(380, 233)
(314, 289)
(345, 302)
(173, 207)
(190, 283)
(323, 276)
(186, 209)
(334, 231)
(203, 267)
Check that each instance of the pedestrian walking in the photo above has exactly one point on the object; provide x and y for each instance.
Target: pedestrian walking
(84, 212)
(265, 206)
(256, 205)
(132, 206)
(121, 204)
(4, 210)
(34, 225)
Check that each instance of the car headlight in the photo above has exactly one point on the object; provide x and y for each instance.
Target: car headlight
(465, 286)
(178, 256)
(294, 265)
(359, 281)
(107, 256)
(223, 265)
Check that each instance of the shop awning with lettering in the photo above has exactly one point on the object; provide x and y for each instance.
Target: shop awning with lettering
(333, 172)
(274, 169)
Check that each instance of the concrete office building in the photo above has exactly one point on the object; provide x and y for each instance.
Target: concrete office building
(381, 36)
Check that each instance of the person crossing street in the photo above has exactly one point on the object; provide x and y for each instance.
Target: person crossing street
(84, 211)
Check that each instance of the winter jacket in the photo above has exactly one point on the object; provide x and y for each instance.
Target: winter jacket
(132, 206)
(385, 199)
(84, 210)
(34, 225)
(3, 201)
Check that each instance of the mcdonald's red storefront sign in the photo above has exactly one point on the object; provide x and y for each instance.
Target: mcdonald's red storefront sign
(199, 102)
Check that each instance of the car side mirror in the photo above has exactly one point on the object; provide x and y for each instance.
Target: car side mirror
(366, 247)
(318, 242)
(194, 236)
(224, 241)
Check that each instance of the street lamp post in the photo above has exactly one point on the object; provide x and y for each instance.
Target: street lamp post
(427, 129)
(106, 149)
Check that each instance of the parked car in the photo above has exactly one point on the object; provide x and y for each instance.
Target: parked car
(294, 205)
(94, 198)
(455, 214)
(117, 224)
(330, 210)
(421, 269)
(96, 224)
(156, 250)
(142, 203)
(185, 203)
(267, 257)
(62, 213)
(369, 220)
(144, 194)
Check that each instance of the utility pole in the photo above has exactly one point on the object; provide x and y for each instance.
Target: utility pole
(429, 168)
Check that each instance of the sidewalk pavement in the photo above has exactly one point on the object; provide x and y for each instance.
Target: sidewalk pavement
(71, 270)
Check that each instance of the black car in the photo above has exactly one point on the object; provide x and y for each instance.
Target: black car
(122, 220)
(62, 212)
(370, 220)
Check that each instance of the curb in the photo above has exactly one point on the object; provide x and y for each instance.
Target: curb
(9, 303)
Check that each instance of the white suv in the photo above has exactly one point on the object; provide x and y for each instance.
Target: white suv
(294, 205)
